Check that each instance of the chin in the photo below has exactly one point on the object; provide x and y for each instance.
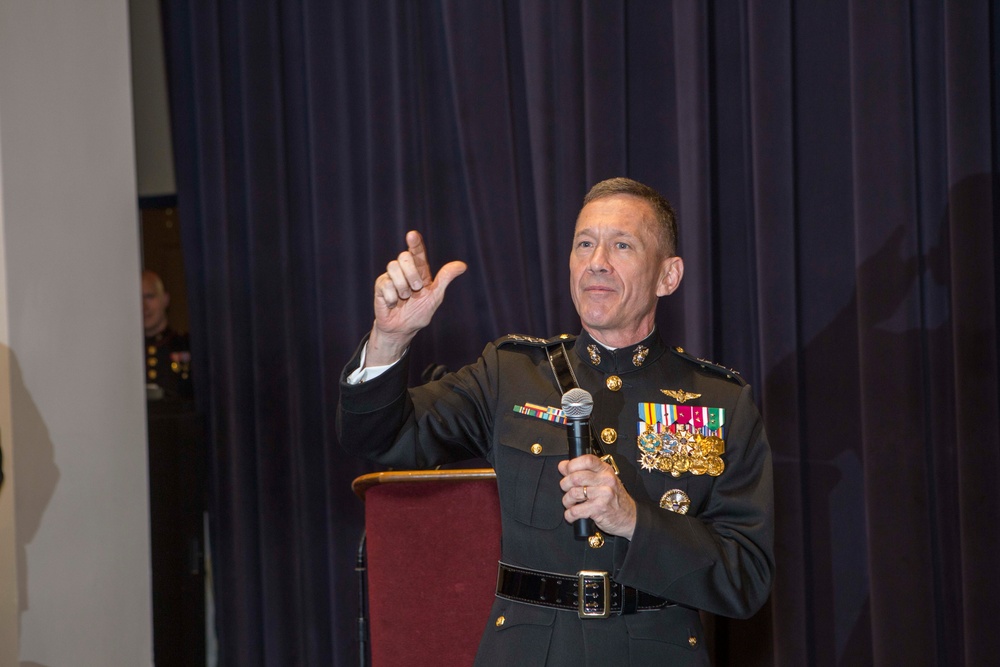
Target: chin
(593, 324)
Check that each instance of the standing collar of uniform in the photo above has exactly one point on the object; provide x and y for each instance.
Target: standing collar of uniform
(162, 337)
(620, 360)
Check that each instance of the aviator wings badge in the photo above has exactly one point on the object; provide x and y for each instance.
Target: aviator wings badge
(680, 395)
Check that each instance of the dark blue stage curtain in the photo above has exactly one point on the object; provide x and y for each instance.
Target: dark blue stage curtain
(834, 165)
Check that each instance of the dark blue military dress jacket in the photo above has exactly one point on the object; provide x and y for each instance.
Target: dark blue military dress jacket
(690, 446)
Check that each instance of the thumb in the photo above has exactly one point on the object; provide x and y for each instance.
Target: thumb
(449, 272)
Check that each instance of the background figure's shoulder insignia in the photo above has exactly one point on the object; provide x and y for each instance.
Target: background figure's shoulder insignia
(727, 373)
(521, 339)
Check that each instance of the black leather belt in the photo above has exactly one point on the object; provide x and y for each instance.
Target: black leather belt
(591, 594)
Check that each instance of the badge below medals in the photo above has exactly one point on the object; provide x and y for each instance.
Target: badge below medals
(676, 500)
(677, 439)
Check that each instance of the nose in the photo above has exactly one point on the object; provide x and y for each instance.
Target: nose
(599, 260)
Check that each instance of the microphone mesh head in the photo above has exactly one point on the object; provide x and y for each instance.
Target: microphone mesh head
(577, 403)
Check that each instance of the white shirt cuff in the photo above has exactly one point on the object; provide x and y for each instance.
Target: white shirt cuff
(363, 373)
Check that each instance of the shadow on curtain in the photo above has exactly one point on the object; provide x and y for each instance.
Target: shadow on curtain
(834, 166)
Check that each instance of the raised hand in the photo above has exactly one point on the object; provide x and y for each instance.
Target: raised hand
(406, 297)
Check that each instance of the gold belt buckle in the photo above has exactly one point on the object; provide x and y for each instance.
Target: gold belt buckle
(593, 594)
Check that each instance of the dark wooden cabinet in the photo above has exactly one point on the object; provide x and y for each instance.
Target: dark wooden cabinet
(177, 510)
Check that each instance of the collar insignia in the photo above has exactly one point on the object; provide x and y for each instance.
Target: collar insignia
(595, 355)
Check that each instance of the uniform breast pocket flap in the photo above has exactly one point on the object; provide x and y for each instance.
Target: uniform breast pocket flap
(528, 457)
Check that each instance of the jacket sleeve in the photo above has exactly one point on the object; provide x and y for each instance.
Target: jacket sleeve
(722, 560)
(423, 427)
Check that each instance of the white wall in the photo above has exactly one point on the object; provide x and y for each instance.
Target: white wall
(154, 154)
(74, 531)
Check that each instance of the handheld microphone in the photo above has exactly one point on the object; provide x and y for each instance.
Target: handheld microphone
(577, 404)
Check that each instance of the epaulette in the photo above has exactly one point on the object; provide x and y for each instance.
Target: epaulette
(727, 373)
(520, 339)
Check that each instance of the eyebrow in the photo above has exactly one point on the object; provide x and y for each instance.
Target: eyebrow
(615, 233)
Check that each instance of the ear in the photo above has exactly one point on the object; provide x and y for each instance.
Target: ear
(670, 276)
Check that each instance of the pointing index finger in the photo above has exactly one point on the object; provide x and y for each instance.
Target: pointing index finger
(415, 244)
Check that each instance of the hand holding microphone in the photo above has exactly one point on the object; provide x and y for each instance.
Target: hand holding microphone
(608, 505)
(577, 404)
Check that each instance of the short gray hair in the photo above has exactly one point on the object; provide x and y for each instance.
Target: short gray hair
(662, 209)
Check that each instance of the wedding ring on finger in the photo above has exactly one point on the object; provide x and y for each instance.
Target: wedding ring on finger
(585, 496)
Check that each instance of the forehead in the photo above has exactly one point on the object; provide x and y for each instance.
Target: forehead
(622, 214)
(150, 286)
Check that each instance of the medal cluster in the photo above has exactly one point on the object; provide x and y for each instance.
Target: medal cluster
(680, 451)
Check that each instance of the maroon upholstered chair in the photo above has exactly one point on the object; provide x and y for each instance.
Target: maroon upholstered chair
(433, 542)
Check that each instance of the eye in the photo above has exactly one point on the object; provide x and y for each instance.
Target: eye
(622, 245)
(584, 244)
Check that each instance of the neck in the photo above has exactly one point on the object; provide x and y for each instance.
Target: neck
(156, 330)
(618, 338)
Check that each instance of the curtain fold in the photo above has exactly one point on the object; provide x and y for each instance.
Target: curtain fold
(834, 167)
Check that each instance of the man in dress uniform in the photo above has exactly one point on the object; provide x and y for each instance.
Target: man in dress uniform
(168, 355)
(679, 489)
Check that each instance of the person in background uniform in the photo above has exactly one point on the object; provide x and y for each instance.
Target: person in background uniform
(679, 491)
(168, 355)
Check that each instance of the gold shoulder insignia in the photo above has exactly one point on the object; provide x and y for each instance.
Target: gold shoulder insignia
(521, 339)
(680, 395)
(728, 373)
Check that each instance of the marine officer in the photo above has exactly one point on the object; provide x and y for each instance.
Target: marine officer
(168, 353)
(679, 491)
